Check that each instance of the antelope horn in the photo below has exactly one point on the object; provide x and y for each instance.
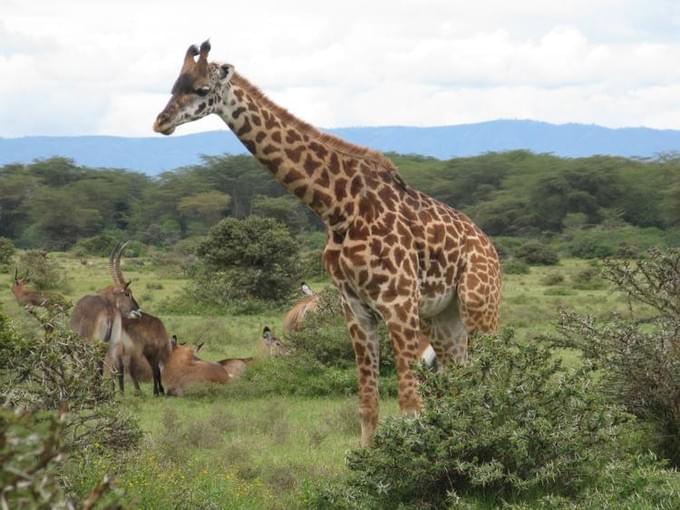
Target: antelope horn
(116, 265)
(202, 64)
(189, 62)
(112, 264)
(16, 273)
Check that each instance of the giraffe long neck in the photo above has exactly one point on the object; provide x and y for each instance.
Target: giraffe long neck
(293, 151)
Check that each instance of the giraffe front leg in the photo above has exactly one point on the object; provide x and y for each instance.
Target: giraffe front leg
(362, 327)
(403, 327)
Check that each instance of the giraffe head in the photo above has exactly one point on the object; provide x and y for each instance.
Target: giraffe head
(198, 91)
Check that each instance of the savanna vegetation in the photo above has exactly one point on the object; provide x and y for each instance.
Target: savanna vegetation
(572, 405)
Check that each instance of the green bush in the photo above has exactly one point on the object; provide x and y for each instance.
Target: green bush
(250, 258)
(552, 279)
(96, 246)
(638, 353)
(324, 335)
(7, 251)
(515, 266)
(537, 253)
(623, 241)
(511, 422)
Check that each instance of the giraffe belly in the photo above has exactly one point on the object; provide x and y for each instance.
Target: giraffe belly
(431, 306)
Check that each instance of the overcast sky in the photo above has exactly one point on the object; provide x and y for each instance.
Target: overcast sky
(106, 67)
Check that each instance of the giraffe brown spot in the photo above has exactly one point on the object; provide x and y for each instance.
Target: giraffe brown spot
(333, 164)
(324, 179)
(377, 279)
(250, 145)
(363, 276)
(273, 164)
(292, 176)
(311, 165)
(237, 113)
(239, 94)
(276, 136)
(319, 150)
(355, 254)
(301, 191)
(380, 229)
(270, 121)
(245, 128)
(472, 281)
(391, 239)
(269, 149)
(355, 186)
(292, 136)
(340, 188)
(399, 253)
(255, 119)
(320, 200)
(349, 166)
(260, 136)
(295, 154)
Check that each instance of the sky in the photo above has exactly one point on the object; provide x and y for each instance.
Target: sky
(97, 67)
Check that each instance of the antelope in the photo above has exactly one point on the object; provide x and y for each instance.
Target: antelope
(296, 315)
(234, 366)
(271, 345)
(26, 296)
(143, 337)
(183, 368)
(146, 338)
(100, 316)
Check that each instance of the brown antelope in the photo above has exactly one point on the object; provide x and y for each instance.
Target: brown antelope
(183, 368)
(26, 296)
(146, 338)
(271, 345)
(294, 318)
(235, 366)
(100, 316)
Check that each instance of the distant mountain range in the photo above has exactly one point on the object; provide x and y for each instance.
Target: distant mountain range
(154, 155)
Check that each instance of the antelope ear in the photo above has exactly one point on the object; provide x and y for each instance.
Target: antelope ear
(199, 346)
(127, 284)
(226, 72)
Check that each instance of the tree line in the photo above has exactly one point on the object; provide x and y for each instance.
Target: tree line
(54, 203)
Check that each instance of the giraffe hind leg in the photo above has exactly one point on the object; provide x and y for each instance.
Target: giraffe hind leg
(447, 334)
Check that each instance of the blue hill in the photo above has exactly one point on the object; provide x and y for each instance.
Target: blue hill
(156, 154)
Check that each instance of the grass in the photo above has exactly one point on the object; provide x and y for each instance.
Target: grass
(209, 451)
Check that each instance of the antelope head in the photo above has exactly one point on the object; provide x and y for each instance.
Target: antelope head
(119, 293)
(19, 283)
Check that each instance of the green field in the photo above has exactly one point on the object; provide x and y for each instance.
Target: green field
(211, 450)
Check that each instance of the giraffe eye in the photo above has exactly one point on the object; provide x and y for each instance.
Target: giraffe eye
(203, 91)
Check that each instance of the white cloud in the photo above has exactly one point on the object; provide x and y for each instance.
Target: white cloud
(81, 67)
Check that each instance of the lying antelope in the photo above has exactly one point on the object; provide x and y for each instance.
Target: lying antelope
(183, 369)
(100, 316)
(234, 366)
(26, 296)
(296, 315)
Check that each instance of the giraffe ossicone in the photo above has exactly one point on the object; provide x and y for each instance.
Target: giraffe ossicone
(395, 254)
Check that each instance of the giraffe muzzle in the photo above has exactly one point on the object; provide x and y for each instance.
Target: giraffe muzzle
(159, 127)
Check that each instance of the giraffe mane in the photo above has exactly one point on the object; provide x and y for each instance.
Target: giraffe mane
(331, 141)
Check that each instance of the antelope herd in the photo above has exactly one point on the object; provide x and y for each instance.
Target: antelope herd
(139, 345)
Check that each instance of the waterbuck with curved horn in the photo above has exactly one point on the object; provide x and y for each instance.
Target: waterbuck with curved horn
(142, 336)
(100, 316)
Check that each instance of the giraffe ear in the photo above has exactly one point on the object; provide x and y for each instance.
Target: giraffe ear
(226, 71)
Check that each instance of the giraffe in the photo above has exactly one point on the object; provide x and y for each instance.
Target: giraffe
(394, 253)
